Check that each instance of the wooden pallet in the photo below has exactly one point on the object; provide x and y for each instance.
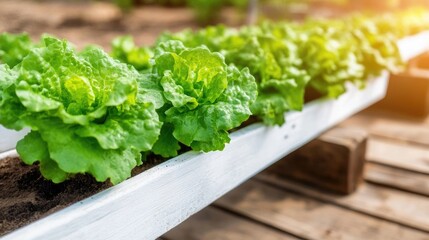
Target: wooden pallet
(393, 203)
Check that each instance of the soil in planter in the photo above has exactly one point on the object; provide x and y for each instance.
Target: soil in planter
(25, 196)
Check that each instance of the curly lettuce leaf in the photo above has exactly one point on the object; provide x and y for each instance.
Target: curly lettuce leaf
(81, 155)
(124, 128)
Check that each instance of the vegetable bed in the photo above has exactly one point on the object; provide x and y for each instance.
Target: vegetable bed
(94, 118)
(151, 203)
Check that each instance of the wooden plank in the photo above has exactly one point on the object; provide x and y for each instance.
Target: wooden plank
(397, 178)
(392, 126)
(392, 205)
(309, 218)
(407, 132)
(411, 133)
(397, 154)
(215, 224)
(198, 179)
(334, 161)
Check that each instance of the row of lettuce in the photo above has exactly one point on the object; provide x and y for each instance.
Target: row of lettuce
(101, 114)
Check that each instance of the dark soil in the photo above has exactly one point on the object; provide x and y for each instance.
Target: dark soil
(26, 196)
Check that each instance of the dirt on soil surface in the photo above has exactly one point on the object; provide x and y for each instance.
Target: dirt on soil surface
(26, 196)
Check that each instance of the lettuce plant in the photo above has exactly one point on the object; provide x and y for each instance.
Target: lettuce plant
(204, 98)
(83, 109)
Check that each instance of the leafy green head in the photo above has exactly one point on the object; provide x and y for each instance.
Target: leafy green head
(204, 97)
(84, 111)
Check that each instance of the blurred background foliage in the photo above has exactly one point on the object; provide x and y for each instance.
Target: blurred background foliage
(207, 11)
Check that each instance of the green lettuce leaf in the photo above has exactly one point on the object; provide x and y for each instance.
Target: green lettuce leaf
(167, 145)
(33, 149)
